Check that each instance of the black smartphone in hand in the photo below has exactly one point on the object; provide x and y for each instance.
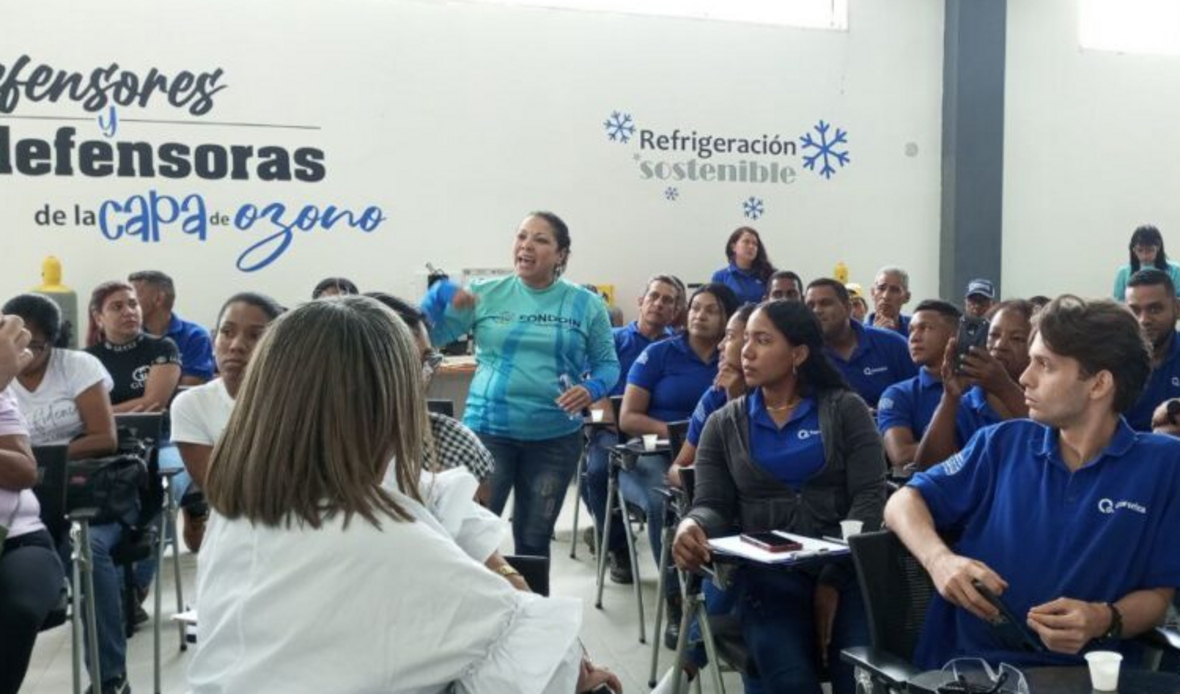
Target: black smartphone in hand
(1010, 629)
(972, 333)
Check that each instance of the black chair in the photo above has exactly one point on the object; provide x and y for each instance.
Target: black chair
(675, 506)
(534, 570)
(896, 591)
(441, 406)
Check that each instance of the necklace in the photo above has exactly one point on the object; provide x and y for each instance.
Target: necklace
(786, 406)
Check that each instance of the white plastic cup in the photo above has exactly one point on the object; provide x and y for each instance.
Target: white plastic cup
(596, 415)
(848, 528)
(649, 441)
(1104, 670)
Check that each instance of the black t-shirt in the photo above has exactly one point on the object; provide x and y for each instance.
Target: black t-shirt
(129, 364)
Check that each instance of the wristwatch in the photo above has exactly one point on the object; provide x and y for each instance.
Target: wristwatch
(507, 570)
(1115, 632)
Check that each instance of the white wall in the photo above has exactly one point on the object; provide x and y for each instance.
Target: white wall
(456, 119)
(1090, 153)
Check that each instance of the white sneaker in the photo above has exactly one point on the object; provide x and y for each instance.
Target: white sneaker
(664, 686)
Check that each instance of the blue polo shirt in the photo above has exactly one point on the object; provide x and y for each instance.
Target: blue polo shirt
(196, 349)
(903, 323)
(749, 289)
(881, 358)
(909, 404)
(629, 344)
(713, 399)
(1163, 384)
(675, 377)
(974, 414)
(1095, 534)
(792, 454)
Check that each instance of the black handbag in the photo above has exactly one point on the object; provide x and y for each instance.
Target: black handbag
(113, 485)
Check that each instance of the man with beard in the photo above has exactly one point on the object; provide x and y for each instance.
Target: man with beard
(1151, 296)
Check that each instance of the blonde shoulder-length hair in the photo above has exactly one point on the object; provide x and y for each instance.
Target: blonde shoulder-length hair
(332, 393)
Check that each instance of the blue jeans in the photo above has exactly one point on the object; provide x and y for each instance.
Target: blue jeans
(538, 472)
(108, 601)
(595, 486)
(778, 624)
(717, 602)
(638, 485)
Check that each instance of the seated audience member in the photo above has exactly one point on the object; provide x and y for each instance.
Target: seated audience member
(906, 408)
(1067, 517)
(784, 285)
(891, 292)
(1146, 251)
(1166, 418)
(870, 359)
(657, 313)
(454, 445)
(664, 385)
(145, 369)
(729, 384)
(199, 414)
(980, 297)
(157, 295)
(856, 298)
(296, 485)
(985, 390)
(749, 269)
(1039, 302)
(31, 577)
(681, 320)
(1152, 298)
(799, 453)
(334, 286)
(62, 393)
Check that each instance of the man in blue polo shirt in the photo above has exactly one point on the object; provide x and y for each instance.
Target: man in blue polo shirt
(871, 359)
(890, 292)
(906, 408)
(157, 294)
(1070, 518)
(1151, 296)
(657, 311)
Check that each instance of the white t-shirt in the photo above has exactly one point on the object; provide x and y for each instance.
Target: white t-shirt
(19, 511)
(368, 610)
(52, 410)
(200, 414)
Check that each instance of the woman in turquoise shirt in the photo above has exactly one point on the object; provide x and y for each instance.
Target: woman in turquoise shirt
(543, 353)
(1147, 250)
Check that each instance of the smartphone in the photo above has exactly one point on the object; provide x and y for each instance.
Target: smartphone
(972, 333)
(771, 542)
(1011, 630)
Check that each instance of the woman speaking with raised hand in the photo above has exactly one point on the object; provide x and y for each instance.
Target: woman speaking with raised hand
(543, 353)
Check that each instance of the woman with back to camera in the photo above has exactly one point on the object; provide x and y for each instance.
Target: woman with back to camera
(1146, 250)
(749, 269)
(316, 577)
(543, 353)
(799, 453)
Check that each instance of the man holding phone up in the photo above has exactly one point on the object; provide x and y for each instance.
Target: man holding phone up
(1069, 518)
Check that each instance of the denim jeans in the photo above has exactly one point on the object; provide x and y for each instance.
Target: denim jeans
(596, 483)
(717, 602)
(108, 601)
(538, 473)
(778, 624)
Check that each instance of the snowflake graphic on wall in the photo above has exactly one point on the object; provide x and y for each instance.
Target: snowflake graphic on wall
(671, 194)
(753, 207)
(619, 127)
(825, 149)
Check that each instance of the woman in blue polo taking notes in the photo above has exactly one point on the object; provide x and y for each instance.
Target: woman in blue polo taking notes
(543, 353)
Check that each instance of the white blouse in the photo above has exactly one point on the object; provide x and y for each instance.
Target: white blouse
(396, 610)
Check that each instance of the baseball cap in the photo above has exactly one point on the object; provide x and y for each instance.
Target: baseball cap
(981, 287)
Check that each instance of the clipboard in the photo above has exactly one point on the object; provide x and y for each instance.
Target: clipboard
(813, 549)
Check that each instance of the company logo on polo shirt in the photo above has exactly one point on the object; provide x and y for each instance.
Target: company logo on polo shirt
(884, 403)
(869, 370)
(805, 434)
(954, 463)
(1176, 381)
(1108, 507)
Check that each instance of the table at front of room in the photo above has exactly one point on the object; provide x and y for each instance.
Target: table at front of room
(1064, 680)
